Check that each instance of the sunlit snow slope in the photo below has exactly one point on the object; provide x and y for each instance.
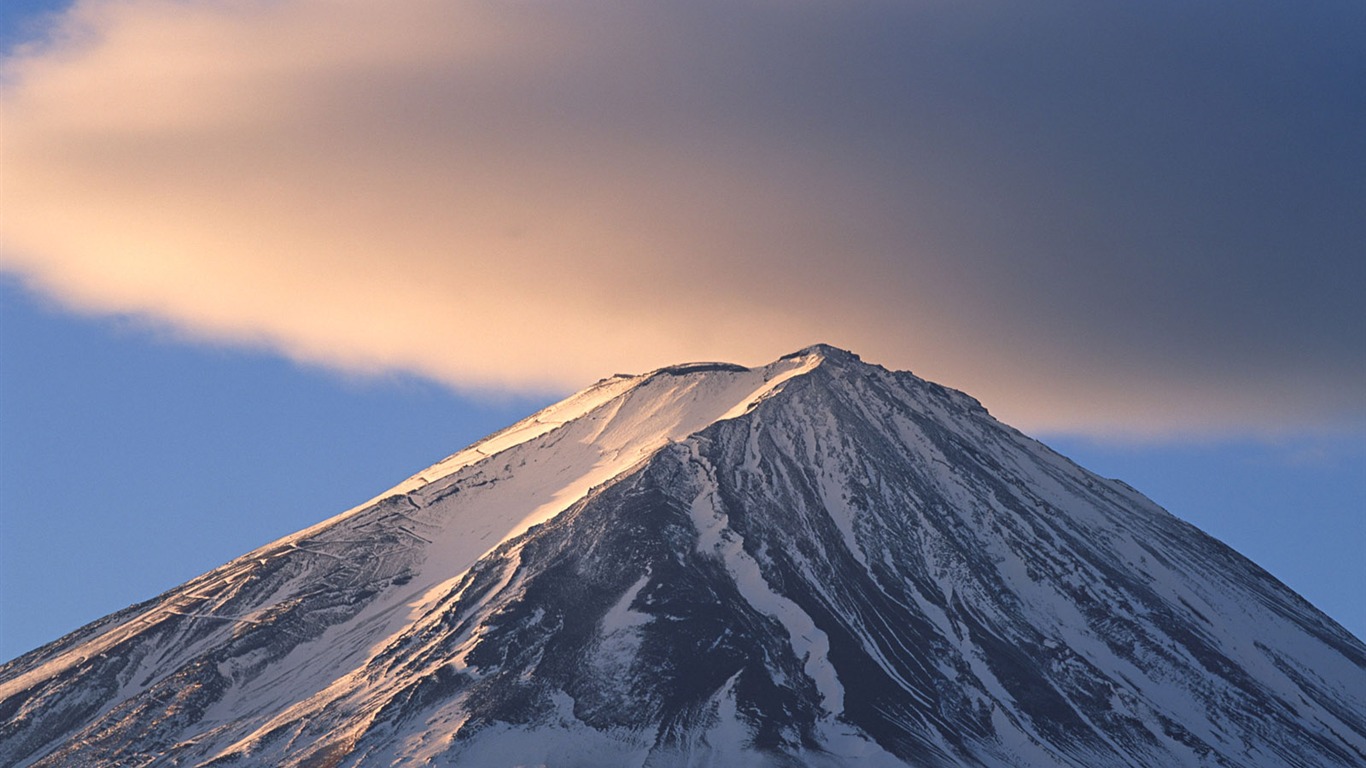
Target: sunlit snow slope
(818, 562)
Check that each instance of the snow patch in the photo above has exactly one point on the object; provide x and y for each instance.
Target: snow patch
(809, 643)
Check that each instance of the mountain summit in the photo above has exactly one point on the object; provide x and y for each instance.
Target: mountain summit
(819, 562)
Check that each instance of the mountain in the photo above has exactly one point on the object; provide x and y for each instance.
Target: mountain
(819, 562)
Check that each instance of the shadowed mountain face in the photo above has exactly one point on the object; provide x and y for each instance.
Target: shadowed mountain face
(818, 562)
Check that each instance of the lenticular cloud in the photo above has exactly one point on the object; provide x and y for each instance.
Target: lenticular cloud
(499, 196)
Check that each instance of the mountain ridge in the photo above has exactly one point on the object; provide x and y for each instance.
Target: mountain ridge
(814, 562)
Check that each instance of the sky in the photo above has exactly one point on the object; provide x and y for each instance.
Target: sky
(261, 260)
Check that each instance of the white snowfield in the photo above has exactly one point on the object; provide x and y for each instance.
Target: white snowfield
(816, 562)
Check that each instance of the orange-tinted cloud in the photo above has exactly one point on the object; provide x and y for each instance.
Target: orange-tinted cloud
(535, 195)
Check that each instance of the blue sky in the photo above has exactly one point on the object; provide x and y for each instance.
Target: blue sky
(262, 260)
(131, 462)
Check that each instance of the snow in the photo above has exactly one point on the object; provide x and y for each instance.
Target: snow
(505, 484)
(544, 464)
(964, 523)
(567, 745)
(810, 644)
(621, 617)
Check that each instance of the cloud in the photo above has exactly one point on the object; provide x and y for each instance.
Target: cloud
(1138, 220)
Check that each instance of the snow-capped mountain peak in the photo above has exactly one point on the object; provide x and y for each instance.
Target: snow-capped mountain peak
(814, 562)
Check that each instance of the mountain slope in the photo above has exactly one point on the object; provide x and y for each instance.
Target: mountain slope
(817, 562)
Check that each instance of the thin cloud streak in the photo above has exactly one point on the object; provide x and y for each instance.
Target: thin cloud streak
(1099, 220)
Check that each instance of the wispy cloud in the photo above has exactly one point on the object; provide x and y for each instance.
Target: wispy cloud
(1137, 220)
